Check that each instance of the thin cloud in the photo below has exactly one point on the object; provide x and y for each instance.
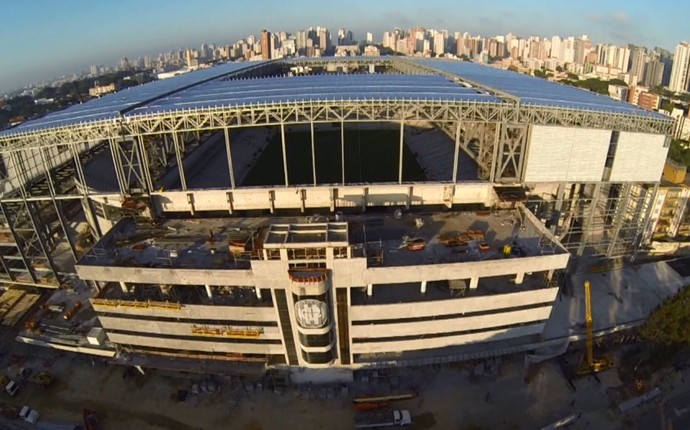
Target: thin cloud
(617, 26)
(399, 19)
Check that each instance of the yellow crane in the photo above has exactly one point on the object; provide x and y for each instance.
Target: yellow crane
(589, 364)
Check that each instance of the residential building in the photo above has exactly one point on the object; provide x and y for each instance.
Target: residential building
(670, 216)
(648, 100)
(680, 76)
(99, 90)
(265, 45)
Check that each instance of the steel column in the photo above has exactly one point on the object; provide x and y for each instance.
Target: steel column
(47, 166)
(400, 158)
(342, 149)
(144, 163)
(79, 169)
(180, 164)
(497, 142)
(619, 218)
(117, 163)
(226, 132)
(596, 195)
(313, 152)
(282, 141)
(456, 154)
(15, 237)
(44, 248)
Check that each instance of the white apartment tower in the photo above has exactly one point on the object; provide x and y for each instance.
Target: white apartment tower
(679, 71)
(556, 48)
(439, 43)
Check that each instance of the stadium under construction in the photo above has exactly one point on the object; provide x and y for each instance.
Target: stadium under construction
(322, 212)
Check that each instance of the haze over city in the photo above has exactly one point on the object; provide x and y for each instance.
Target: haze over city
(45, 39)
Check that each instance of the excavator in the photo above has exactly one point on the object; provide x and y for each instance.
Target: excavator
(589, 364)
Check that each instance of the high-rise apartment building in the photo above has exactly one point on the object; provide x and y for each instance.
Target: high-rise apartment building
(301, 41)
(265, 45)
(653, 74)
(638, 58)
(679, 71)
(413, 36)
(439, 43)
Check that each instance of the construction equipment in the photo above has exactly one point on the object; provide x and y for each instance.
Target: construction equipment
(589, 364)
(412, 243)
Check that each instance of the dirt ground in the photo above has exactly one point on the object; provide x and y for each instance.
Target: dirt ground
(454, 397)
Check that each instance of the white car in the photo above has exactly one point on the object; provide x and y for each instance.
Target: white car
(11, 388)
(29, 415)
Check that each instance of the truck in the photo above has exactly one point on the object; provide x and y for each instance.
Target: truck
(383, 419)
(29, 415)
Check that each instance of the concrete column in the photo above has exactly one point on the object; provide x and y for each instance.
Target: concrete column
(258, 292)
(474, 283)
(519, 278)
(423, 290)
(282, 141)
(313, 152)
(226, 131)
(456, 154)
(549, 274)
(370, 290)
(209, 292)
(400, 160)
(125, 288)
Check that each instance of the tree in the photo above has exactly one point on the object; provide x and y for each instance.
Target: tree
(559, 69)
(679, 153)
(617, 82)
(669, 324)
(540, 73)
(572, 76)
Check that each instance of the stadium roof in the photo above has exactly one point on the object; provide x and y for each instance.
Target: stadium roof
(215, 87)
(534, 91)
(112, 105)
(315, 87)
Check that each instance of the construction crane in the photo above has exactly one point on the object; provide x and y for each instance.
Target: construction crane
(589, 364)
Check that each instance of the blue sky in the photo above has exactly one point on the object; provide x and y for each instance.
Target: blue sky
(42, 39)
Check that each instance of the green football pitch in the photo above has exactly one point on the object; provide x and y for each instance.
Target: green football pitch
(370, 156)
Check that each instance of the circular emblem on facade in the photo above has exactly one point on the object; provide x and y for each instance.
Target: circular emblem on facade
(311, 313)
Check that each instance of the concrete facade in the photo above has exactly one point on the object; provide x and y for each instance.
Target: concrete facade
(338, 308)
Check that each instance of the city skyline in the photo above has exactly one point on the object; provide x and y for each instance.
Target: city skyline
(35, 55)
